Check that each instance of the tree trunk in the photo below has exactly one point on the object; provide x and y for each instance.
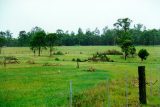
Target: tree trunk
(34, 52)
(125, 56)
(39, 51)
(50, 50)
(4, 62)
(77, 64)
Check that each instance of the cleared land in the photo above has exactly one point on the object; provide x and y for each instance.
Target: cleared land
(46, 83)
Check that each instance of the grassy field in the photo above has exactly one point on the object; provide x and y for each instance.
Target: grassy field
(46, 83)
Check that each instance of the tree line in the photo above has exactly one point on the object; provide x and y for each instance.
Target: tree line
(139, 34)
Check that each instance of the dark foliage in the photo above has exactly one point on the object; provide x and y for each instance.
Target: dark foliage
(143, 54)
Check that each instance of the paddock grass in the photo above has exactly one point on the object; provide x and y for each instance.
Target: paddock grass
(36, 85)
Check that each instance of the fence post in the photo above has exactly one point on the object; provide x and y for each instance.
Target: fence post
(142, 84)
(126, 89)
(107, 86)
(150, 82)
(158, 81)
(70, 93)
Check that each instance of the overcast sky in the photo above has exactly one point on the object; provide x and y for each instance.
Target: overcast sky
(17, 15)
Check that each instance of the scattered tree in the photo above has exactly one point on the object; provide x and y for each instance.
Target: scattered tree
(50, 39)
(38, 40)
(124, 37)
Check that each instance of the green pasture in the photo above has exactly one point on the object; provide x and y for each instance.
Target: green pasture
(39, 85)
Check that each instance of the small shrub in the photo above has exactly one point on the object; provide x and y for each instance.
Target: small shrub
(100, 57)
(73, 59)
(47, 64)
(91, 69)
(66, 52)
(81, 52)
(58, 53)
(57, 59)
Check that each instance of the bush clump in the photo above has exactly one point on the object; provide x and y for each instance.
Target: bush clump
(58, 53)
(30, 62)
(47, 64)
(113, 52)
(57, 59)
(100, 57)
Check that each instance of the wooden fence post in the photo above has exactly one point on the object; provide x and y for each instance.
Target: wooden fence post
(70, 93)
(142, 84)
(108, 99)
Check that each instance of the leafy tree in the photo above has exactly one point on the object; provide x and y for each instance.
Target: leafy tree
(2, 42)
(50, 39)
(143, 54)
(124, 36)
(38, 40)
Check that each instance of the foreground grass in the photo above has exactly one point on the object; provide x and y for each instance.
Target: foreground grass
(38, 85)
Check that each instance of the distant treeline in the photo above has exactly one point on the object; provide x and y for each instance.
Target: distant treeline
(139, 35)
